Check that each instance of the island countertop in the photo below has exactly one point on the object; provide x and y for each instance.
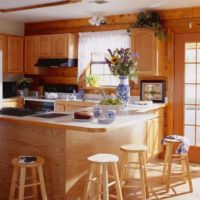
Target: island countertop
(131, 114)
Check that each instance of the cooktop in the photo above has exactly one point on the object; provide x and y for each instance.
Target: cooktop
(20, 112)
(52, 115)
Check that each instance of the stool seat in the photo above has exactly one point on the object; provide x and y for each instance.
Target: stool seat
(133, 147)
(103, 158)
(39, 161)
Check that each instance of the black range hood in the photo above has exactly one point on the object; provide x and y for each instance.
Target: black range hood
(57, 62)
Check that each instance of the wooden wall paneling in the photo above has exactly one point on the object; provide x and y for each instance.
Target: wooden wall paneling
(60, 45)
(60, 80)
(15, 54)
(78, 25)
(4, 50)
(170, 82)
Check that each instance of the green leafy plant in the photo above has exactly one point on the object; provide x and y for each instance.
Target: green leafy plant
(92, 80)
(111, 101)
(151, 20)
(24, 82)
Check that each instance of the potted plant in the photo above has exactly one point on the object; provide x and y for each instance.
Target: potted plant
(92, 80)
(151, 20)
(23, 85)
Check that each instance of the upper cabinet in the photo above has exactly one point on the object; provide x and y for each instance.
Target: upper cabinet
(45, 46)
(12, 48)
(151, 52)
(4, 51)
(60, 46)
(31, 54)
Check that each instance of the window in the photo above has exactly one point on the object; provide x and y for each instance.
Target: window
(99, 67)
(93, 47)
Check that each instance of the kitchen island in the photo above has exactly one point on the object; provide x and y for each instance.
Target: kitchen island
(65, 144)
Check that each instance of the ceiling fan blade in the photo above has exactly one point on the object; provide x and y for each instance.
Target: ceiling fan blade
(97, 1)
(59, 3)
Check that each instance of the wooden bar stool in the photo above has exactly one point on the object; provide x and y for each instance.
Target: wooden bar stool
(37, 179)
(100, 164)
(140, 150)
(169, 158)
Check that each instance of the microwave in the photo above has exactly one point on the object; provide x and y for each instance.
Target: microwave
(9, 89)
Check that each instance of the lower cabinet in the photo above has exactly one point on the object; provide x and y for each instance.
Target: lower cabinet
(155, 133)
(17, 102)
(63, 106)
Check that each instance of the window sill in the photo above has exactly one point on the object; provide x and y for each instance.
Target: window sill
(99, 89)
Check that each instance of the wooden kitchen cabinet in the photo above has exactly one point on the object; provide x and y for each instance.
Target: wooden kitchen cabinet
(151, 52)
(16, 102)
(4, 51)
(15, 54)
(155, 133)
(31, 54)
(63, 106)
(60, 46)
(45, 46)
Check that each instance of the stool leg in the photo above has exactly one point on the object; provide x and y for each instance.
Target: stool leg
(142, 176)
(124, 169)
(34, 177)
(88, 185)
(22, 183)
(99, 186)
(117, 181)
(13, 183)
(188, 173)
(169, 162)
(184, 170)
(42, 185)
(105, 182)
(145, 175)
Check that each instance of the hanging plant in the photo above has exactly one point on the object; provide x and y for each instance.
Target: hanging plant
(151, 20)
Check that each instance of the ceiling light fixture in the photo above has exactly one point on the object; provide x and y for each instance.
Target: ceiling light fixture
(97, 20)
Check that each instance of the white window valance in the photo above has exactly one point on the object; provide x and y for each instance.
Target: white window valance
(99, 42)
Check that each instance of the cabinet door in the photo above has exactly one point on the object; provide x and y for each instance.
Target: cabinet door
(4, 50)
(60, 107)
(15, 54)
(45, 46)
(60, 46)
(154, 136)
(144, 42)
(31, 54)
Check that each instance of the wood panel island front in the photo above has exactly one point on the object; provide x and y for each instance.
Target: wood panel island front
(65, 145)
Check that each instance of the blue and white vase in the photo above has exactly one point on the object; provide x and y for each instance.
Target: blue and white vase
(123, 89)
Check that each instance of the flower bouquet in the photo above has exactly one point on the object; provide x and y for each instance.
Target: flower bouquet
(123, 63)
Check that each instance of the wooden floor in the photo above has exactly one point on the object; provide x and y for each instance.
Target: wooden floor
(178, 191)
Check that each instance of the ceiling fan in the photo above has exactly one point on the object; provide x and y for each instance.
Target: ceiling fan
(57, 3)
(97, 1)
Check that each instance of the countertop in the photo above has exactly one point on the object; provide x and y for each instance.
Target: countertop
(129, 115)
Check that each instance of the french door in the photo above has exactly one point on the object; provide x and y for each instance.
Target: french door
(187, 90)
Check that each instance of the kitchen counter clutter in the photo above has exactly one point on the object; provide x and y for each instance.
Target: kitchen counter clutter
(65, 144)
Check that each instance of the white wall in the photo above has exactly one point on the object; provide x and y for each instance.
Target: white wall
(13, 28)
